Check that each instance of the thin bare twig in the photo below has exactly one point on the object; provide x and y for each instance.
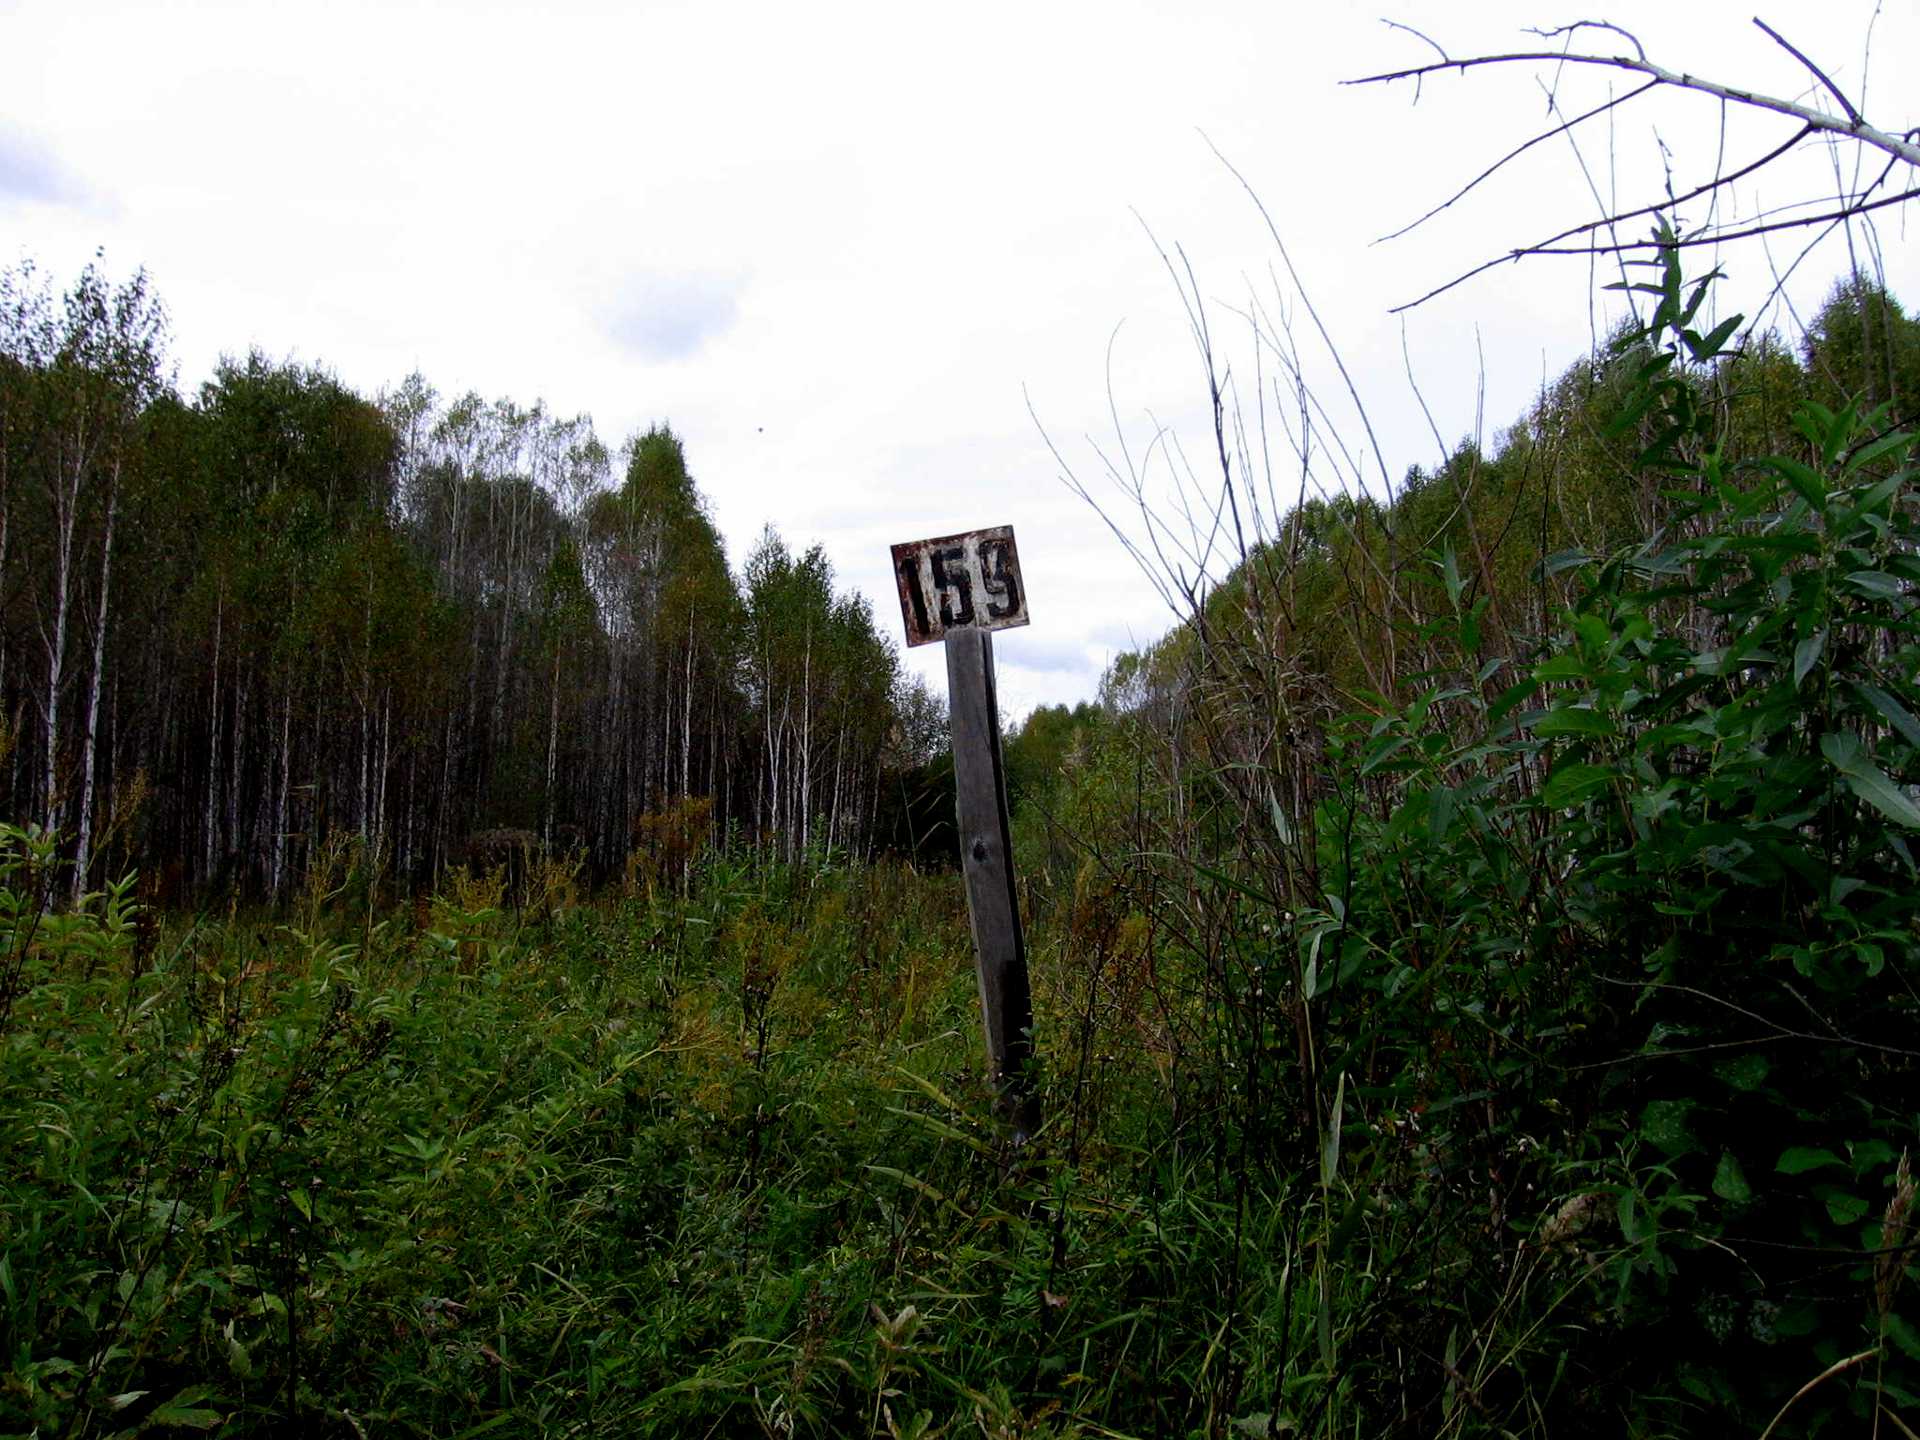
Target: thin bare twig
(1570, 30)
(1900, 145)
(1613, 220)
(1688, 241)
(1512, 155)
(1396, 25)
(1900, 148)
(1339, 362)
(1683, 242)
(1818, 73)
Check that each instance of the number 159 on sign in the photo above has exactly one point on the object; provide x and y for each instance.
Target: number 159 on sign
(957, 580)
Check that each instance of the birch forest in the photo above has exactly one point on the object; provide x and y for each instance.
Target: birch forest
(246, 623)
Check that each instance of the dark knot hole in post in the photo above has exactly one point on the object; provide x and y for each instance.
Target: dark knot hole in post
(979, 849)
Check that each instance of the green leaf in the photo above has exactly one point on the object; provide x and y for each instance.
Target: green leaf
(1330, 1156)
(1877, 449)
(1280, 826)
(1867, 780)
(1896, 714)
(1570, 785)
(1730, 1181)
(1627, 1213)
(1870, 1154)
(1806, 655)
(1718, 337)
(1803, 478)
(1629, 413)
(1573, 720)
(1845, 1209)
(1798, 1159)
(1562, 561)
(1839, 432)
(1875, 584)
(1903, 1335)
(939, 1127)
(1664, 1124)
(1383, 752)
(184, 1410)
(238, 1360)
(1746, 1072)
(1873, 499)
(1593, 632)
(1560, 667)
(932, 1091)
(1411, 811)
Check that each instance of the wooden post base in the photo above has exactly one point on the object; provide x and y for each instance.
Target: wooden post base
(986, 858)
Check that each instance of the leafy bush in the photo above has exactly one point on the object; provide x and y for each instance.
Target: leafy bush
(1590, 959)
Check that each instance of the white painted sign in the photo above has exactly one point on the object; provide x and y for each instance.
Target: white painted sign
(959, 580)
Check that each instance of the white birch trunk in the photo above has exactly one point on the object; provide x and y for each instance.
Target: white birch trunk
(806, 744)
(236, 760)
(213, 744)
(386, 761)
(686, 720)
(89, 747)
(553, 747)
(277, 874)
(64, 519)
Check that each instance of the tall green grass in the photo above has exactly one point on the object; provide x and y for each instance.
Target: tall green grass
(715, 1164)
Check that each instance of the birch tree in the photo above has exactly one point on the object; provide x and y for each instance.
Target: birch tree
(80, 377)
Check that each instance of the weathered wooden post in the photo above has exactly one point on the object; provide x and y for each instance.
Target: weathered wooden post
(960, 588)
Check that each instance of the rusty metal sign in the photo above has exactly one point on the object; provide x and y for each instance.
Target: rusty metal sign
(960, 580)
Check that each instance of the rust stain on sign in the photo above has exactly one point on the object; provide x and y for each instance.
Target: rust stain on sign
(957, 580)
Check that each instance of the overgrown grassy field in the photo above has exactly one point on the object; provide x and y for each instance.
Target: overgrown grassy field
(719, 1164)
(713, 1164)
(1526, 1051)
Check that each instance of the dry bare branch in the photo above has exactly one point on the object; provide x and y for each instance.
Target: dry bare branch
(1901, 148)
(1512, 155)
(1902, 145)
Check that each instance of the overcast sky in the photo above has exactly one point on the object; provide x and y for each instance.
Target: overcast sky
(843, 248)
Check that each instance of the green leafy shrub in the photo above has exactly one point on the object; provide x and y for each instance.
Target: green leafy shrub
(1590, 957)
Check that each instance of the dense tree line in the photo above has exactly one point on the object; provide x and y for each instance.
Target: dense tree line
(1534, 848)
(1330, 605)
(242, 622)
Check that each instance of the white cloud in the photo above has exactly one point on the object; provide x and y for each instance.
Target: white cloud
(32, 174)
(664, 317)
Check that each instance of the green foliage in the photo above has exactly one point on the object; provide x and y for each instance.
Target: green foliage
(1473, 957)
(1743, 870)
(673, 1165)
(1576, 957)
(1525, 1050)
(1863, 346)
(243, 624)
